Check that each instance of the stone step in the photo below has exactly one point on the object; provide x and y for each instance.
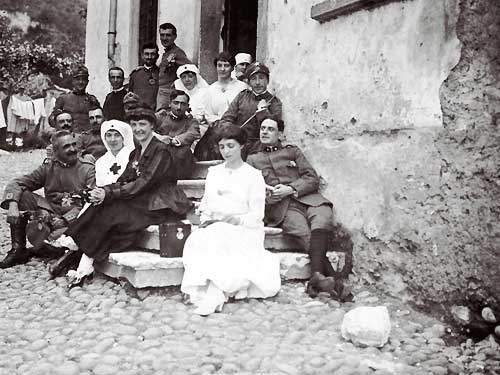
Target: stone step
(145, 269)
(192, 188)
(201, 168)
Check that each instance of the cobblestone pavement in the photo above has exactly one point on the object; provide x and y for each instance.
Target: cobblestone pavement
(105, 328)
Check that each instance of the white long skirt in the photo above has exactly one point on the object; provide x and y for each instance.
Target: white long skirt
(234, 259)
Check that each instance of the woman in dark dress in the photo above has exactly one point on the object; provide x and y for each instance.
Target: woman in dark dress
(145, 194)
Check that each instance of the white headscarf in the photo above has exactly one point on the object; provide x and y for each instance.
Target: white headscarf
(197, 96)
(103, 173)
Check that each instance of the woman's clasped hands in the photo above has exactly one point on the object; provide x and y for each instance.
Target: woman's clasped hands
(97, 195)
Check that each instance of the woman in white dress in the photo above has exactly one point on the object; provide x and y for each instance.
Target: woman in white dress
(222, 92)
(225, 257)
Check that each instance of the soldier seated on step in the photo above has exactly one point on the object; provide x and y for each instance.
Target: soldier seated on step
(63, 177)
(179, 130)
(294, 203)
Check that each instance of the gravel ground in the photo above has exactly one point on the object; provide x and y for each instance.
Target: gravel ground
(109, 328)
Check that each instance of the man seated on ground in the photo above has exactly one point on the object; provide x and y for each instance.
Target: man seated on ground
(113, 104)
(179, 130)
(62, 176)
(250, 106)
(91, 141)
(294, 203)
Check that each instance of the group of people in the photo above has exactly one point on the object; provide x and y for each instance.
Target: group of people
(111, 172)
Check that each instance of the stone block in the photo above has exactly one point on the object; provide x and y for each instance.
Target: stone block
(143, 269)
(193, 189)
(330, 9)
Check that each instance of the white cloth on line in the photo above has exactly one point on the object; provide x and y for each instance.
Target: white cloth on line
(3, 121)
(22, 109)
(39, 110)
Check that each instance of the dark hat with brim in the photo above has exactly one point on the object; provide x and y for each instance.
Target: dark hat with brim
(80, 71)
(255, 68)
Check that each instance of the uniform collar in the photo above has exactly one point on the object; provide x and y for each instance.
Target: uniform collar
(120, 89)
(268, 148)
(61, 163)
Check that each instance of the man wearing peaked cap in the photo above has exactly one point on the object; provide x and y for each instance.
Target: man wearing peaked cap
(78, 102)
(252, 105)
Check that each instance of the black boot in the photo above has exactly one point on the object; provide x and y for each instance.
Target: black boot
(68, 260)
(47, 251)
(18, 254)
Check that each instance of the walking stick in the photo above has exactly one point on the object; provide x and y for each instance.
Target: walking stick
(255, 114)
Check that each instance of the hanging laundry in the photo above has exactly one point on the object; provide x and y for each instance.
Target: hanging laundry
(39, 110)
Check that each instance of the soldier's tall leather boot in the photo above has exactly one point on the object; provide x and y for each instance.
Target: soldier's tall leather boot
(18, 254)
(321, 269)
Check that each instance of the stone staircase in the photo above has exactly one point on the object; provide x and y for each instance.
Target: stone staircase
(143, 267)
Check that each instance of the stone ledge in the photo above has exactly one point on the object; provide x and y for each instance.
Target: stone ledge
(143, 269)
(331, 9)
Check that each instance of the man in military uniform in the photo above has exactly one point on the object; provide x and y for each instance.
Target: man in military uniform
(252, 105)
(78, 102)
(113, 104)
(66, 173)
(293, 201)
(172, 58)
(91, 141)
(143, 80)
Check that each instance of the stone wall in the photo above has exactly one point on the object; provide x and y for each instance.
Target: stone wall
(388, 104)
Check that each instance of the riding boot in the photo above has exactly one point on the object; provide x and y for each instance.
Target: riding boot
(321, 268)
(18, 254)
(47, 251)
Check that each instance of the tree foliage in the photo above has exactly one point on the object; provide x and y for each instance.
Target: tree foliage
(53, 43)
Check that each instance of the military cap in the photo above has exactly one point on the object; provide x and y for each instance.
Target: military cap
(255, 68)
(80, 70)
(131, 98)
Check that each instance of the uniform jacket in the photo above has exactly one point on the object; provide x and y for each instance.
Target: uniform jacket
(58, 181)
(185, 129)
(144, 82)
(244, 106)
(91, 143)
(78, 105)
(168, 71)
(113, 105)
(287, 165)
(153, 174)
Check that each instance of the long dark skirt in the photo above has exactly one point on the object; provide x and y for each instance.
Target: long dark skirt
(113, 227)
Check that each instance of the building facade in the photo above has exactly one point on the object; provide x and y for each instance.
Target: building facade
(374, 92)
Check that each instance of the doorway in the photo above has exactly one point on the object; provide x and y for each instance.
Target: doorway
(239, 33)
(148, 23)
